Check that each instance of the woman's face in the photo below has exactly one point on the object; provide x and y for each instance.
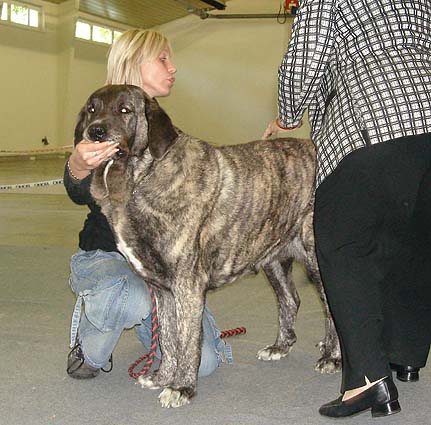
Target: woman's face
(158, 75)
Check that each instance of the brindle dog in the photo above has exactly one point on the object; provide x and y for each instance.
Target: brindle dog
(190, 217)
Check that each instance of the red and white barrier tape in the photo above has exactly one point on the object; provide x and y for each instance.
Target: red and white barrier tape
(49, 150)
(30, 185)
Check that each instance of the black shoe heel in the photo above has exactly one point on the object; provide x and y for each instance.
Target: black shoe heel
(385, 409)
(406, 373)
(407, 376)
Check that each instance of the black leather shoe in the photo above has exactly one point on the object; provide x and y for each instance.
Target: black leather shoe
(406, 373)
(381, 398)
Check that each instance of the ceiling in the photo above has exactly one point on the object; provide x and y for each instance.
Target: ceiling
(143, 13)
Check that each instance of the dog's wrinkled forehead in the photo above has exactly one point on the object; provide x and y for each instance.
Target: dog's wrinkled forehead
(116, 99)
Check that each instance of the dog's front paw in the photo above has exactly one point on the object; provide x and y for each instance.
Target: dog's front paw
(272, 352)
(170, 397)
(148, 382)
(328, 365)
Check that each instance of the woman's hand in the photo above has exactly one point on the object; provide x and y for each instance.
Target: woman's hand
(275, 127)
(89, 155)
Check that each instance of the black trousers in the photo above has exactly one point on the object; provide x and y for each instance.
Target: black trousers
(373, 240)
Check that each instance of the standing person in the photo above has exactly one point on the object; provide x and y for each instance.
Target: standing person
(362, 68)
(114, 297)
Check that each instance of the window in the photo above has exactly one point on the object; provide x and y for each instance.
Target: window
(4, 12)
(117, 34)
(93, 32)
(102, 34)
(20, 13)
(83, 30)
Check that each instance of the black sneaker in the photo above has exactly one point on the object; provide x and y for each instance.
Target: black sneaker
(77, 367)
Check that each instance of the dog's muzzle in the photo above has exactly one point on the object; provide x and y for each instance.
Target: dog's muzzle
(99, 133)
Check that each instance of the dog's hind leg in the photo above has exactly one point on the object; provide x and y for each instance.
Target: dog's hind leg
(279, 274)
(330, 360)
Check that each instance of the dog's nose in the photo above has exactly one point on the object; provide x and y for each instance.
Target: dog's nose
(97, 133)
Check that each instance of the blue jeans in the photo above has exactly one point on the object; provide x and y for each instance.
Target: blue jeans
(114, 299)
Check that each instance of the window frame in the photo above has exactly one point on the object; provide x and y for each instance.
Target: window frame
(93, 24)
(29, 7)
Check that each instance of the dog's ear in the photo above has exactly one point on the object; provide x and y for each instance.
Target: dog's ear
(79, 128)
(161, 132)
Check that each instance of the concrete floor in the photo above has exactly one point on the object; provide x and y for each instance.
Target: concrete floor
(38, 234)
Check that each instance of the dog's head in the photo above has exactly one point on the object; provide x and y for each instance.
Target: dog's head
(126, 114)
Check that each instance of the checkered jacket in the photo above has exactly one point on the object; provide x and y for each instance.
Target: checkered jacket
(362, 68)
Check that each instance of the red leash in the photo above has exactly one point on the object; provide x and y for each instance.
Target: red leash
(232, 332)
(154, 339)
(154, 328)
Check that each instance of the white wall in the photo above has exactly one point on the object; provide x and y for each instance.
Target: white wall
(225, 92)
(28, 83)
(226, 88)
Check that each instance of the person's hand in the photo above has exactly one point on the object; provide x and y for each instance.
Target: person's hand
(89, 155)
(275, 127)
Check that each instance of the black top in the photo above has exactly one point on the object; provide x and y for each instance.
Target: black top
(96, 233)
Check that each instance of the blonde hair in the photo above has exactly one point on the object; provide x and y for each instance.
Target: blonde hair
(128, 53)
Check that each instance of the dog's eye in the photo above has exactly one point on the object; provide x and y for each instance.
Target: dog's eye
(125, 110)
(91, 109)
